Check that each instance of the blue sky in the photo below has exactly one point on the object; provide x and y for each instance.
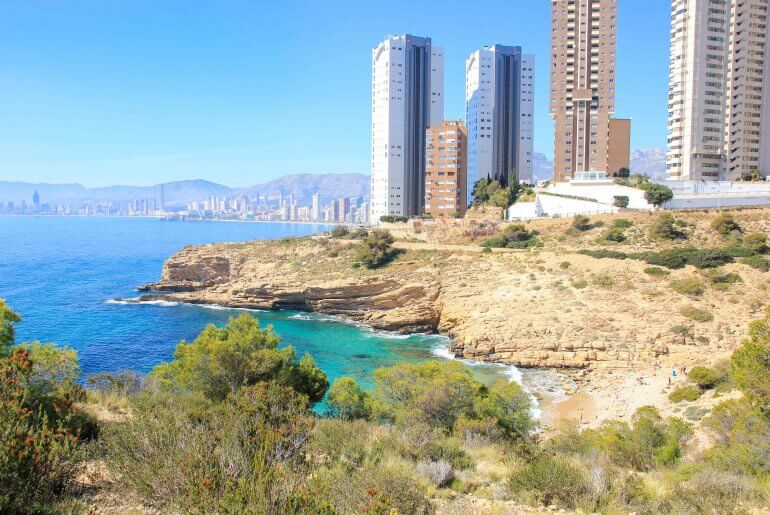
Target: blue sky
(138, 92)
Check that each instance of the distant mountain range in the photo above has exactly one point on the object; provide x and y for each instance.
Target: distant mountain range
(303, 186)
(647, 161)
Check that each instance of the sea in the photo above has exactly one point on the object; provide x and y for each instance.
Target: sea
(62, 274)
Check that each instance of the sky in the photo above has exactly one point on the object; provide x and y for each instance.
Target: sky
(240, 92)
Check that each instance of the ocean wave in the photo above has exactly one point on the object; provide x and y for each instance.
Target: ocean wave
(126, 302)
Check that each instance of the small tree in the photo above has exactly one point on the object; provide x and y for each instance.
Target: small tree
(480, 193)
(376, 249)
(347, 400)
(624, 173)
(657, 194)
(340, 231)
(620, 201)
(8, 318)
(725, 225)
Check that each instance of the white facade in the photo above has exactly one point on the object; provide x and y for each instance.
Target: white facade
(315, 208)
(499, 113)
(407, 97)
(715, 89)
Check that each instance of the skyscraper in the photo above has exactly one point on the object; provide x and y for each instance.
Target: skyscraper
(583, 60)
(499, 114)
(445, 171)
(407, 97)
(315, 209)
(718, 127)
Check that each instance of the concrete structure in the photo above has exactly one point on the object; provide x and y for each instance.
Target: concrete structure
(315, 207)
(583, 59)
(499, 113)
(407, 98)
(446, 169)
(716, 111)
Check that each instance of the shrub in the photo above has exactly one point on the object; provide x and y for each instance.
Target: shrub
(393, 219)
(603, 281)
(757, 262)
(689, 393)
(690, 286)
(725, 225)
(716, 276)
(665, 228)
(740, 431)
(475, 431)
(220, 361)
(697, 314)
(340, 231)
(603, 253)
(657, 194)
(347, 400)
(706, 377)
(376, 249)
(683, 331)
(550, 480)
(486, 250)
(750, 365)
(565, 265)
(514, 236)
(581, 223)
(39, 451)
(341, 441)
(496, 242)
(656, 271)
(755, 243)
(614, 234)
(620, 201)
(8, 318)
(622, 223)
(359, 234)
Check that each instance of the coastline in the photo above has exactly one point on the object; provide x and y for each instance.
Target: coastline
(162, 219)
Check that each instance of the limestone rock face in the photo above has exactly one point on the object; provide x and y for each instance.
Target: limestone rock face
(517, 308)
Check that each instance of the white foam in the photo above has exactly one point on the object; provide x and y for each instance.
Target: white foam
(126, 302)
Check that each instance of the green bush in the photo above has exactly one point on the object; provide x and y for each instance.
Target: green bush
(514, 236)
(8, 318)
(657, 194)
(220, 361)
(581, 223)
(550, 480)
(347, 400)
(340, 231)
(40, 455)
(690, 286)
(665, 228)
(706, 377)
(716, 276)
(750, 365)
(603, 281)
(740, 430)
(656, 271)
(697, 314)
(376, 250)
(689, 393)
(757, 262)
(496, 242)
(620, 201)
(756, 243)
(393, 219)
(622, 223)
(359, 234)
(341, 441)
(614, 234)
(603, 253)
(725, 225)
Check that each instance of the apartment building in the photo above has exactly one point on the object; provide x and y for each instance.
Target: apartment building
(446, 169)
(583, 62)
(407, 98)
(499, 114)
(718, 125)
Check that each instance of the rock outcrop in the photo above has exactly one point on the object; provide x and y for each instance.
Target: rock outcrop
(528, 309)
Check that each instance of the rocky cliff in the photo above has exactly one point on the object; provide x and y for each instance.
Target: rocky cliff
(534, 309)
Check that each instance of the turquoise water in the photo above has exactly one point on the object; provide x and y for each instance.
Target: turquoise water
(60, 274)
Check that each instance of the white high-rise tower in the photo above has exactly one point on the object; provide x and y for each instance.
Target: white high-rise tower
(499, 113)
(407, 98)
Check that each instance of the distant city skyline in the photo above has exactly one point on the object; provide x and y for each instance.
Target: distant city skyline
(138, 94)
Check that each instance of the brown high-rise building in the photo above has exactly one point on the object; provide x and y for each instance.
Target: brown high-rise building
(446, 169)
(583, 56)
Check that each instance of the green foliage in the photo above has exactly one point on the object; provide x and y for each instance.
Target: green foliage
(614, 234)
(750, 365)
(394, 219)
(359, 234)
(346, 399)
(376, 250)
(603, 253)
(480, 193)
(742, 438)
(725, 225)
(550, 480)
(39, 438)
(581, 223)
(622, 223)
(514, 236)
(500, 198)
(222, 360)
(8, 318)
(181, 452)
(657, 194)
(648, 441)
(624, 173)
(756, 243)
(690, 286)
(757, 262)
(656, 271)
(620, 201)
(603, 281)
(666, 228)
(439, 393)
(706, 377)
(697, 314)
(688, 393)
(340, 231)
